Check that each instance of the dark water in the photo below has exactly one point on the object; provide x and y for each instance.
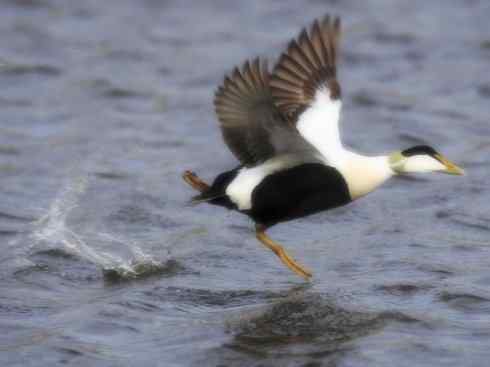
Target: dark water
(102, 263)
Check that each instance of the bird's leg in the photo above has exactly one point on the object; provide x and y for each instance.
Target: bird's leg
(280, 252)
(195, 182)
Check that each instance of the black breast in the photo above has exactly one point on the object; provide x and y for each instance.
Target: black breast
(297, 192)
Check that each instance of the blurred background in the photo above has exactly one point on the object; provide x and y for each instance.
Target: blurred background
(103, 104)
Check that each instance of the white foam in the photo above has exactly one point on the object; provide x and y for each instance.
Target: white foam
(53, 229)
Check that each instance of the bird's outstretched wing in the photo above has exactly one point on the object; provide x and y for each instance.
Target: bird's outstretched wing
(252, 125)
(305, 89)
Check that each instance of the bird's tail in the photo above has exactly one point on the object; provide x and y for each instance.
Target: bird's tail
(205, 197)
(213, 194)
(206, 191)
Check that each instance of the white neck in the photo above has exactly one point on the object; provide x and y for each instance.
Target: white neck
(363, 174)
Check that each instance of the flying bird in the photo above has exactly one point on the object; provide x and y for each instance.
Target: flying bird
(283, 127)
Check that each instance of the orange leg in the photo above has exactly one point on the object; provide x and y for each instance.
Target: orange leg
(195, 182)
(280, 252)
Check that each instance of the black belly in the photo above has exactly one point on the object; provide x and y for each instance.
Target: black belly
(297, 192)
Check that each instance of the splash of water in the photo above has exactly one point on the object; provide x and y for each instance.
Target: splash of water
(52, 228)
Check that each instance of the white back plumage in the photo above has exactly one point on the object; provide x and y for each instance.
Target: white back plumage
(319, 125)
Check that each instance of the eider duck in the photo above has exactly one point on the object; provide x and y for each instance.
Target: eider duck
(283, 127)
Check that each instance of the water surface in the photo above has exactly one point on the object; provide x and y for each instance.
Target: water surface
(103, 263)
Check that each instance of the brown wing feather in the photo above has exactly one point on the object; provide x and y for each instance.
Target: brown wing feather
(246, 112)
(252, 126)
(308, 64)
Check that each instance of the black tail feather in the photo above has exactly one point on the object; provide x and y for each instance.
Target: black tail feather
(216, 195)
(204, 197)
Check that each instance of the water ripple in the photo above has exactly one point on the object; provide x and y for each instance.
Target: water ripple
(465, 301)
(142, 269)
(27, 69)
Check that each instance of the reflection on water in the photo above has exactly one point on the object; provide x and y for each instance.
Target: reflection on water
(304, 318)
(102, 263)
(303, 326)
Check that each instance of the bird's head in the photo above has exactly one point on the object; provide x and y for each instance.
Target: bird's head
(422, 158)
